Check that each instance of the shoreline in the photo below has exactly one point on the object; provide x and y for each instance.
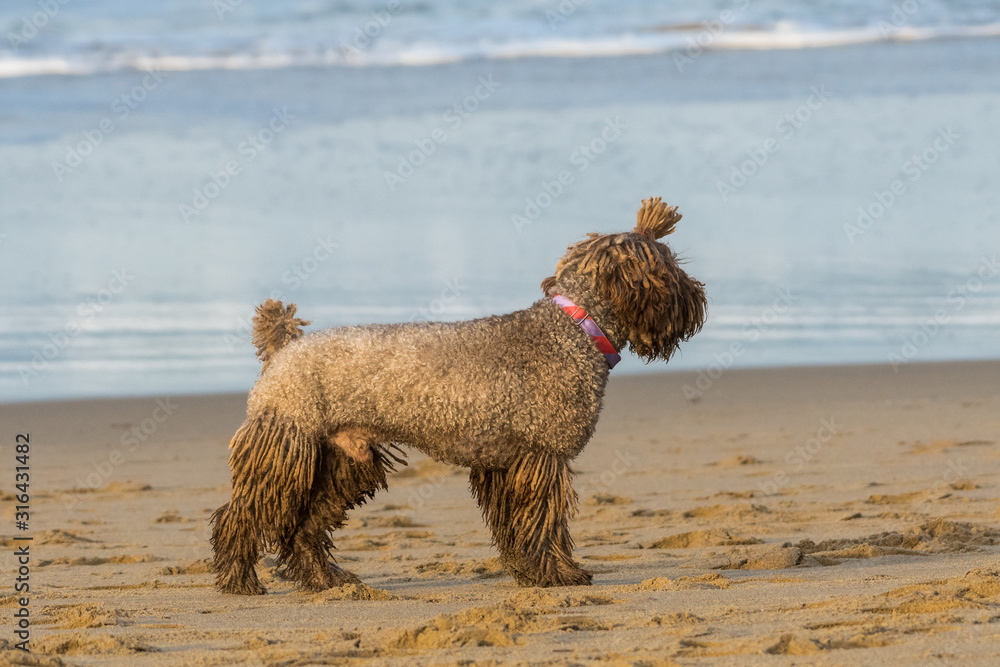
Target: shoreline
(687, 376)
(656, 43)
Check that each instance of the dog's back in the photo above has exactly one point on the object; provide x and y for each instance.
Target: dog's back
(480, 391)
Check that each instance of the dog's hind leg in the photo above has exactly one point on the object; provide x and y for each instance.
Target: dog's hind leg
(306, 552)
(528, 507)
(236, 542)
(343, 483)
(274, 462)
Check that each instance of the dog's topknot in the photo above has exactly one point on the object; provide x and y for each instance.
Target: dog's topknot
(273, 326)
(656, 219)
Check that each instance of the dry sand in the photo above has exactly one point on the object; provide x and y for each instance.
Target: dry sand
(828, 516)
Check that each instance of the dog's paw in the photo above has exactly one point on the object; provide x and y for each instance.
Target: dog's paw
(333, 577)
(576, 577)
(566, 577)
(242, 588)
(342, 577)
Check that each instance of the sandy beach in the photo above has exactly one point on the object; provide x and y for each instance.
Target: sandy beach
(824, 516)
(778, 495)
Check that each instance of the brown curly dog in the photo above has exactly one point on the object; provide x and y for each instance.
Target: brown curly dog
(512, 397)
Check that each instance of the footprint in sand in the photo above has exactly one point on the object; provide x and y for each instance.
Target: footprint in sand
(81, 616)
(600, 499)
(355, 591)
(938, 536)
(737, 460)
(714, 537)
(977, 589)
(172, 516)
(61, 537)
(114, 487)
(735, 494)
(540, 597)
(762, 557)
(941, 446)
(904, 498)
(701, 582)
(487, 568)
(97, 560)
(740, 511)
(82, 644)
(202, 566)
(394, 521)
(504, 625)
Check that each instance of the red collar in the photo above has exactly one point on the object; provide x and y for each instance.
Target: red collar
(590, 326)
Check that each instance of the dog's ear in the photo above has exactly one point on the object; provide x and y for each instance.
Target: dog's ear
(653, 298)
(657, 303)
(548, 284)
(686, 307)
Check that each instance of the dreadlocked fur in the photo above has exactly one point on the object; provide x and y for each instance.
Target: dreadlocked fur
(528, 507)
(654, 302)
(514, 398)
(288, 493)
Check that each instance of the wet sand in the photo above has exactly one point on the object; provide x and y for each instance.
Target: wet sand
(844, 514)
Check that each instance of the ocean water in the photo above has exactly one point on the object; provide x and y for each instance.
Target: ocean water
(165, 168)
(63, 36)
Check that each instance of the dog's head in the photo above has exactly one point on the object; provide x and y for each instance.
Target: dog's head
(656, 304)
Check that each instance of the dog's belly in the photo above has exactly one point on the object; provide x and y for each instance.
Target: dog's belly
(471, 453)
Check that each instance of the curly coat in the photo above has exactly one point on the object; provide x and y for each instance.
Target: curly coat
(514, 398)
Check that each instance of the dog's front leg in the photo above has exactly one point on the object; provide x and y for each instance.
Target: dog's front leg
(528, 507)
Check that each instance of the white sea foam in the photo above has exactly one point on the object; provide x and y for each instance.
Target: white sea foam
(683, 40)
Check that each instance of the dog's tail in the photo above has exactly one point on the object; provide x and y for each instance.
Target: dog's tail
(273, 326)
